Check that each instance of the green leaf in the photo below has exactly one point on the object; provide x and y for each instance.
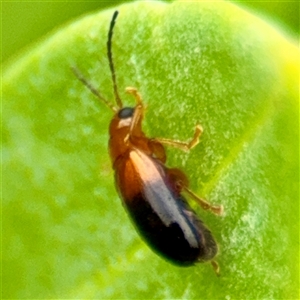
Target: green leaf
(65, 233)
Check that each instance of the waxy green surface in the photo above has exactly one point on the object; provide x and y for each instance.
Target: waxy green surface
(65, 233)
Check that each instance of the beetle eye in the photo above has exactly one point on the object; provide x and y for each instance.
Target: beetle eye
(126, 112)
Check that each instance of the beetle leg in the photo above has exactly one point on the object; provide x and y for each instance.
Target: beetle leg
(133, 91)
(158, 150)
(216, 209)
(181, 184)
(216, 267)
(178, 178)
(185, 146)
(138, 111)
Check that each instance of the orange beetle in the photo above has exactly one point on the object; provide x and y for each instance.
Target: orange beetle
(151, 192)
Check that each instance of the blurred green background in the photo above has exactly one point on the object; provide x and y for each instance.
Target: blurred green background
(26, 22)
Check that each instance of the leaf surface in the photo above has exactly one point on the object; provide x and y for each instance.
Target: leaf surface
(65, 233)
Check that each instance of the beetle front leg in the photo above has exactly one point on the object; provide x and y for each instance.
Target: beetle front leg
(134, 92)
(138, 111)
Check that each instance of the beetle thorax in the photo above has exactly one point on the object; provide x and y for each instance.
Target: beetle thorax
(123, 138)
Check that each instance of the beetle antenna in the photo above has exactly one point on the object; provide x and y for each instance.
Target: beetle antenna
(92, 88)
(110, 59)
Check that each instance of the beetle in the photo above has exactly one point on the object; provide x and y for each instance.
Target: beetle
(150, 191)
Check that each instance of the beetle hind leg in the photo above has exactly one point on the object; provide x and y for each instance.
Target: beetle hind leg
(216, 209)
(180, 181)
(216, 267)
